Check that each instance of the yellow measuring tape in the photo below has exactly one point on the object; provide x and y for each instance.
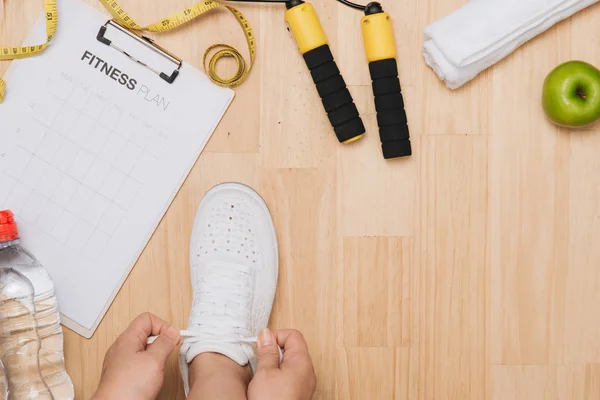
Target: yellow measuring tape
(10, 53)
(179, 18)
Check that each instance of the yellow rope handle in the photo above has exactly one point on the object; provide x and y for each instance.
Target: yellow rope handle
(187, 14)
(10, 53)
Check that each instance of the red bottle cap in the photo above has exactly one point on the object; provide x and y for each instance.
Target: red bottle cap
(8, 226)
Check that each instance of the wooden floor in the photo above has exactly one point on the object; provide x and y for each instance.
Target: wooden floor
(470, 271)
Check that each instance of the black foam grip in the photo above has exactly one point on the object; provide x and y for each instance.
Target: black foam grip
(347, 130)
(389, 101)
(337, 100)
(391, 116)
(343, 114)
(322, 72)
(393, 132)
(386, 85)
(396, 148)
(331, 85)
(318, 56)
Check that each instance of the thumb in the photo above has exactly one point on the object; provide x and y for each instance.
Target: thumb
(164, 345)
(268, 351)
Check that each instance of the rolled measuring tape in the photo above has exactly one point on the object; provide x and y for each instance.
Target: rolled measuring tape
(314, 47)
(218, 51)
(380, 48)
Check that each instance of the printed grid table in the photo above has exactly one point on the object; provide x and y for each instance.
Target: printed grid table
(78, 166)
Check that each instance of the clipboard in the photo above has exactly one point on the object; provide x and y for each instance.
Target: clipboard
(99, 133)
(146, 41)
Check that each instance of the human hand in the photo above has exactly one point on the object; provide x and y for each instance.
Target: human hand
(132, 369)
(294, 379)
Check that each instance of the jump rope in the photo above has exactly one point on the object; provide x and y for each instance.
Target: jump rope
(380, 49)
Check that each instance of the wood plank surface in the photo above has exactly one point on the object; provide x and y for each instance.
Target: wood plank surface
(469, 271)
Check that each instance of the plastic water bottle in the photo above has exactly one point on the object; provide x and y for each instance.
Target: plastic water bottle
(31, 340)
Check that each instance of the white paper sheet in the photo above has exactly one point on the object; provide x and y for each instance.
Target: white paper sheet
(91, 160)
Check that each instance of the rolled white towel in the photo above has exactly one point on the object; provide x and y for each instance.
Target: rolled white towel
(483, 32)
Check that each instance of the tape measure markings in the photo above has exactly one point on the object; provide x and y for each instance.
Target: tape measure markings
(188, 14)
(10, 53)
(173, 21)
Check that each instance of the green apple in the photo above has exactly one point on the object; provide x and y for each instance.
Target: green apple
(571, 94)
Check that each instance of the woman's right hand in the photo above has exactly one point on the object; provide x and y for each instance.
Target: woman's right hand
(294, 379)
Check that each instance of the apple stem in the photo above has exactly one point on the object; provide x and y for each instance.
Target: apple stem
(581, 92)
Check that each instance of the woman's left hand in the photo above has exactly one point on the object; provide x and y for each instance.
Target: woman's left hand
(132, 368)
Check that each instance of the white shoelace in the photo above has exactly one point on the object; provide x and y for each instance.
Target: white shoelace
(199, 337)
(223, 288)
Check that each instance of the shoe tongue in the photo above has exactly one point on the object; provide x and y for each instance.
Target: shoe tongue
(234, 351)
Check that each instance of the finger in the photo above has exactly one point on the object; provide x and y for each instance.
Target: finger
(291, 340)
(295, 349)
(268, 351)
(136, 335)
(165, 343)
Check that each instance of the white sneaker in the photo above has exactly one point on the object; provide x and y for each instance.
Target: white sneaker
(233, 264)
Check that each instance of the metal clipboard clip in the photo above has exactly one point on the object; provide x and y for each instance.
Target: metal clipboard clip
(146, 41)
